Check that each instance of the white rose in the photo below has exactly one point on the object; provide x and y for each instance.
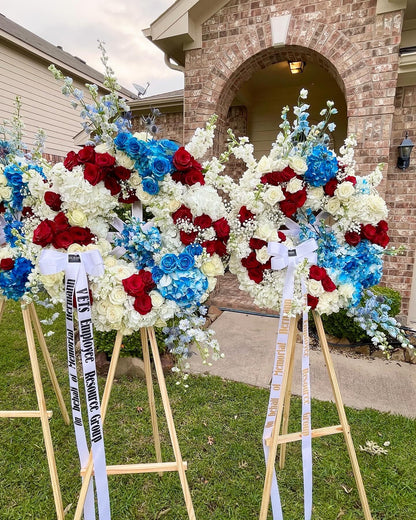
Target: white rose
(118, 295)
(157, 299)
(345, 190)
(262, 255)
(213, 267)
(124, 160)
(110, 261)
(145, 197)
(120, 272)
(3, 180)
(212, 282)
(173, 205)
(376, 208)
(298, 164)
(103, 148)
(101, 307)
(115, 314)
(294, 185)
(273, 195)
(5, 193)
(51, 280)
(264, 230)
(76, 248)
(315, 288)
(77, 218)
(333, 205)
(264, 166)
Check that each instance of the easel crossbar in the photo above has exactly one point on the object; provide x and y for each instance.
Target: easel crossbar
(125, 469)
(297, 436)
(24, 413)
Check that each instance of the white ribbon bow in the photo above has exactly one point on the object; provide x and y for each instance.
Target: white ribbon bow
(283, 257)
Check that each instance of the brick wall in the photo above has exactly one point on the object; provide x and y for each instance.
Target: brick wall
(170, 124)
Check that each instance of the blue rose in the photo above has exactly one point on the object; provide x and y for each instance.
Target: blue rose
(150, 186)
(121, 140)
(185, 262)
(157, 274)
(168, 146)
(169, 263)
(135, 148)
(194, 249)
(160, 166)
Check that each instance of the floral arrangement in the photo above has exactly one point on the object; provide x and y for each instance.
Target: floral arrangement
(302, 190)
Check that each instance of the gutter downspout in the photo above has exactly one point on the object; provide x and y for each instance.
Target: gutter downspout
(173, 66)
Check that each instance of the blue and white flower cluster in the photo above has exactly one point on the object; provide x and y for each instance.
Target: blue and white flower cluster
(322, 166)
(179, 279)
(152, 159)
(13, 282)
(140, 240)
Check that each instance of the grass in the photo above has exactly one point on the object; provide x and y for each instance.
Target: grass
(219, 425)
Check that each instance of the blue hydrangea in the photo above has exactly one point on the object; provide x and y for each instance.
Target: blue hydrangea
(322, 166)
(13, 282)
(141, 241)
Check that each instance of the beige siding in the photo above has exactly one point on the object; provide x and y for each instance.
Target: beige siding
(43, 104)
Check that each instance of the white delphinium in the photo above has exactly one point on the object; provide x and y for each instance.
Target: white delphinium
(202, 139)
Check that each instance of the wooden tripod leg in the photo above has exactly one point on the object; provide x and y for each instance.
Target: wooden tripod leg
(2, 305)
(150, 393)
(48, 361)
(276, 427)
(171, 425)
(104, 404)
(286, 404)
(43, 413)
(341, 413)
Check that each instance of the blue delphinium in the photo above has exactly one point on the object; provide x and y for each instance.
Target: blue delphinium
(13, 282)
(322, 166)
(14, 176)
(141, 241)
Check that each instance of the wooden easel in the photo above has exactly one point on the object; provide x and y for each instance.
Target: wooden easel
(147, 335)
(31, 321)
(282, 420)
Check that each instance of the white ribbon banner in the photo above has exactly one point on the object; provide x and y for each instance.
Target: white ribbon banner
(282, 258)
(76, 267)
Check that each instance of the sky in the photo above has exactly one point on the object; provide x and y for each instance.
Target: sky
(76, 25)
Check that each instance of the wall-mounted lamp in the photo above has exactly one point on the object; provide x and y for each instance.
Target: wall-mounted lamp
(405, 149)
(296, 67)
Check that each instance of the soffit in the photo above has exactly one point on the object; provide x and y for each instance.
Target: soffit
(179, 28)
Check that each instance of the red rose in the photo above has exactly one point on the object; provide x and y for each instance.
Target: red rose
(53, 200)
(147, 279)
(27, 211)
(86, 154)
(7, 264)
(112, 184)
(288, 207)
(129, 199)
(312, 301)
(143, 303)
(256, 243)
(351, 179)
(60, 223)
(299, 198)
(244, 214)
(192, 177)
(183, 213)
(80, 235)
(210, 246)
(331, 186)
(328, 284)
(275, 178)
(382, 226)
(43, 234)
(222, 228)
(352, 238)
(317, 273)
(104, 159)
(182, 160)
(188, 238)
(250, 262)
(220, 248)
(203, 221)
(122, 173)
(368, 231)
(71, 160)
(133, 285)
(2, 208)
(281, 235)
(93, 174)
(255, 274)
(382, 240)
(63, 239)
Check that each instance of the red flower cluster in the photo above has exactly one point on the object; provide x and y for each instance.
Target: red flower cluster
(60, 233)
(332, 184)
(100, 167)
(189, 171)
(292, 201)
(221, 227)
(375, 234)
(6, 264)
(139, 285)
(276, 178)
(255, 269)
(320, 274)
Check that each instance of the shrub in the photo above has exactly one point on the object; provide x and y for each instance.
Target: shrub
(131, 346)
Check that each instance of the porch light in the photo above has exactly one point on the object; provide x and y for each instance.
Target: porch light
(405, 149)
(296, 67)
